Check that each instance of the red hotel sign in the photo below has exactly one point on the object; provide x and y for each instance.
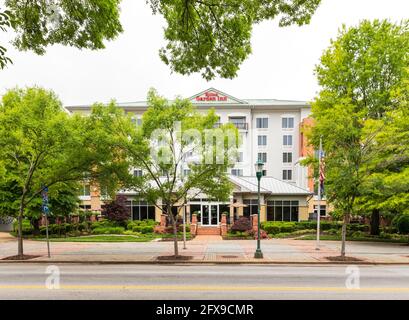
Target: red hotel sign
(211, 96)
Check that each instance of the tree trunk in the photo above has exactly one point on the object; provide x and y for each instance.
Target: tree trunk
(175, 231)
(375, 221)
(20, 251)
(175, 234)
(344, 234)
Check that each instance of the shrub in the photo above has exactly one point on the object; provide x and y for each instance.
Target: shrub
(116, 210)
(143, 229)
(402, 224)
(104, 224)
(242, 224)
(180, 228)
(108, 230)
(27, 229)
(358, 227)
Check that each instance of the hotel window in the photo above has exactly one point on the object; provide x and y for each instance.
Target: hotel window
(252, 207)
(262, 156)
(237, 172)
(287, 140)
(262, 140)
(239, 122)
(287, 174)
(186, 172)
(282, 210)
(137, 173)
(141, 210)
(240, 157)
(323, 210)
(262, 123)
(287, 123)
(287, 157)
(86, 190)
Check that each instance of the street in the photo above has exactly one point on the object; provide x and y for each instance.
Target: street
(116, 281)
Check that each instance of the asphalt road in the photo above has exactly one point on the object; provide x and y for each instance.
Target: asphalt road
(35, 281)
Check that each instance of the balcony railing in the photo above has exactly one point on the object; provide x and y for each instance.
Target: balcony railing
(240, 125)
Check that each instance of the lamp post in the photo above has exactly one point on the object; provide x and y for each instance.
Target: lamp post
(259, 172)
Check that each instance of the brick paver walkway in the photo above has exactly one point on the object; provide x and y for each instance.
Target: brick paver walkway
(209, 249)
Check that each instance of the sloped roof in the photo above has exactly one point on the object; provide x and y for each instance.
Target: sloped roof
(267, 185)
(229, 101)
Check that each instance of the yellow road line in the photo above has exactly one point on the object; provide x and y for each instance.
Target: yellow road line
(200, 288)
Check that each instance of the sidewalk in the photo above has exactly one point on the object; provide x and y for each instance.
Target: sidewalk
(211, 249)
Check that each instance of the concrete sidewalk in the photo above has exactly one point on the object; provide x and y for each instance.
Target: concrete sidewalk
(211, 249)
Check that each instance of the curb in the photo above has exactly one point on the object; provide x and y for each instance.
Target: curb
(178, 262)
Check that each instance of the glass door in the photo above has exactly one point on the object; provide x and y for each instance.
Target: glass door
(210, 215)
(205, 215)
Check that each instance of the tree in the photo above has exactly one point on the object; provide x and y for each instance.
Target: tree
(213, 37)
(161, 148)
(359, 74)
(116, 210)
(77, 23)
(207, 36)
(40, 146)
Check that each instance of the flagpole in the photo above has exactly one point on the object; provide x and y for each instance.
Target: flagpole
(319, 196)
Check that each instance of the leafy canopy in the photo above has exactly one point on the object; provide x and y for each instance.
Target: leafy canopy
(211, 37)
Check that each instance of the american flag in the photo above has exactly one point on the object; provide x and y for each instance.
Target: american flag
(321, 172)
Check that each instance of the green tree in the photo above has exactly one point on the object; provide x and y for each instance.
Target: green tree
(207, 36)
(40, 145)
(358, 74)
(213, 37)
(161, 146)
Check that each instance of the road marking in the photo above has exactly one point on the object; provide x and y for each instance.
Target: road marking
(199, 288)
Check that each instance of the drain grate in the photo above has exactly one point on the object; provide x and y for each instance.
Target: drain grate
(229, 257)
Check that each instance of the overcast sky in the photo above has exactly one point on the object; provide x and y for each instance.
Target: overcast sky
(280, 67)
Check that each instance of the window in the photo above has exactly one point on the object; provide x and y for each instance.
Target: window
(86, 191)
(140, 210)
(264, 173)
(287, 157)
(262, 156)
(239, 122)
(240, 157)
(137, 173)
(287, 123)
(136, 121)
(252, 207)
(287, 174)
(323, 211)
(186, 172)
(262, 140)
(262, 123)
(279, 210)
(237, 172)
(287, 140)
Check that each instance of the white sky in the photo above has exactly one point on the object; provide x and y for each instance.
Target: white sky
(280, 67)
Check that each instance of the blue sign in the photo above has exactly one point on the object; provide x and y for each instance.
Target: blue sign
(45, 200)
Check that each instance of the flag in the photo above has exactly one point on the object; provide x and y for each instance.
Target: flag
(321, 172)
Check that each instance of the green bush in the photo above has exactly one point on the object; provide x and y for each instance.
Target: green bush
(358, 227)
(103, 224)
(180, 228)
(146, 222)
(402, 224)
(108, 230)
(27, 229)
(275, 227)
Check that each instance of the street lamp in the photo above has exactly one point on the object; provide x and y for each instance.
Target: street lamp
(259, 173)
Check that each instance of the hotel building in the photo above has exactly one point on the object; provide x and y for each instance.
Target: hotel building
(271, 131)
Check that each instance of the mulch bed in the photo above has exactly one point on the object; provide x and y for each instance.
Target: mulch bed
(339, 258)
(25, 257)
(182, 258)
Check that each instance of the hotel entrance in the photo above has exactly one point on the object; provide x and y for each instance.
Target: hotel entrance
(210, 214)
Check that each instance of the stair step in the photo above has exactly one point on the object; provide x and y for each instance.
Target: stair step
(208, 231)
